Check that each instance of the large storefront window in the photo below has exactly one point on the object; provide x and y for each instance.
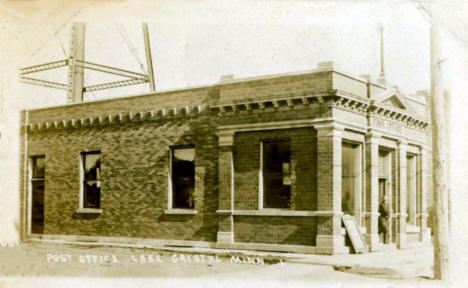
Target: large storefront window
(385, 175)
(411, 189)
(276, 168)
(350, 179)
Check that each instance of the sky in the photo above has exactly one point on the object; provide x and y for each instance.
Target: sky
(195, 42)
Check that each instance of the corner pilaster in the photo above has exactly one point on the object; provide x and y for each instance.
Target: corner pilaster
(329, 237)
(401, 232)
(372, 193)
(225, 188)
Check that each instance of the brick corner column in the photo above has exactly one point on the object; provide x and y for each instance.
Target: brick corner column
(425, 235)
(401, 232)
(330, 239)
(372, 193)
(225, 188)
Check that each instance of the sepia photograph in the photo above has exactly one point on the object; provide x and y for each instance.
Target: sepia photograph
(202, 143)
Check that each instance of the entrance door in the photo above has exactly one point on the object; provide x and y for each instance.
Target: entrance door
(387, 164)
(382, 184)
(37, 191)
(382, 193)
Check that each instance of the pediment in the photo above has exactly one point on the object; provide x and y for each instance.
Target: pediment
(394, 101)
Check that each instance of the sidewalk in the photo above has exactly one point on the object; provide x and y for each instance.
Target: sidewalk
(390, 263)
(54, 264)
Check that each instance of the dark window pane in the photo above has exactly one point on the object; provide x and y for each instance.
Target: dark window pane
(39, 167)
(276, 174)
(276, 194)
(37, 185)
(37, 223)
(91, 180)
(183, 177)
(92, 194)
(275, 154)
(349, 177)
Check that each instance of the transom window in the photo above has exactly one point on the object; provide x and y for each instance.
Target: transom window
(38, 167)
(276, 173)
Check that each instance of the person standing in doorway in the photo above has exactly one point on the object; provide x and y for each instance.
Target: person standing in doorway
(384, 210)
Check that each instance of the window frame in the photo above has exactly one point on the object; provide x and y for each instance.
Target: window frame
(82, 208)
(412, 195)
(262, 192)
(31, 183)
(359, 195)
(171, 209)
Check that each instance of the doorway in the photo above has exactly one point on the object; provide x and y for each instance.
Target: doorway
(37, 194)
(382, 193)
(382, 184)
(387, 188)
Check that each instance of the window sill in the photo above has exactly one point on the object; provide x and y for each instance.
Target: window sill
(279, 212)
(180, 211)
(89, 211)
(273, 212)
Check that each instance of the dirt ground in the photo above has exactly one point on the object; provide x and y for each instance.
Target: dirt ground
(63, 265)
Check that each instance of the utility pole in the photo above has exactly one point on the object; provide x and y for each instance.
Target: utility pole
(149, 61)
(382, 64)
(76, 72)
(76, 65)
(439, 160)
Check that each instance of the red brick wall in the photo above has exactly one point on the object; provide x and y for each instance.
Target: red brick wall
(275, 230)
(278, 230)
(167, 100)
(303, 167)
(309, 111)
(135, 158)
(280, 87)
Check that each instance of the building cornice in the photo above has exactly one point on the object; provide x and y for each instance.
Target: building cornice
(119, 118)
(332, 99)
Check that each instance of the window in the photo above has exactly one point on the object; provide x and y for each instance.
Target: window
(37, 189)
(350, 179)
(276, 173)
(183, 176)
(411, 190)
(91, 177)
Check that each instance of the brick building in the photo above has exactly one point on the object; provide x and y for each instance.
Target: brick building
(262, 163)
